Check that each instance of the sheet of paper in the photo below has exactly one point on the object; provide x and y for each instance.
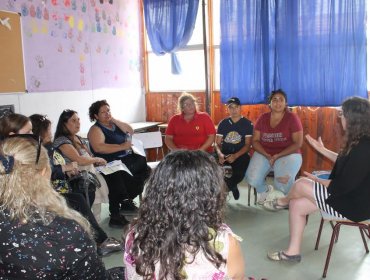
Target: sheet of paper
(112, 167)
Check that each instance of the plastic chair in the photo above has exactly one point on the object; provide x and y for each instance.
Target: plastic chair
(336, 223)
(151, 140)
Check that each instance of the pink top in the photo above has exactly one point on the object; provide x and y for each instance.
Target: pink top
(200, 268)
(276, 139)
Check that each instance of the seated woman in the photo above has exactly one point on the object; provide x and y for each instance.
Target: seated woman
(111, 139)
(277, 139)
(180, 232)
(41, 127)
(72, 148)
(190, 129)
(40, 235)
(346, 193)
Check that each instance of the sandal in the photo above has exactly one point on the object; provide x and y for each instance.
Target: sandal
(281, 256)
(273, 205)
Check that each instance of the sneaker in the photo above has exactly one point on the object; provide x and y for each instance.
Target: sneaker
(261, 197)
(236, 193)
(109, 245)
(128, 207)
(118, 221)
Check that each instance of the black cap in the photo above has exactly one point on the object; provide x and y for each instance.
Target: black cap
(233, 100)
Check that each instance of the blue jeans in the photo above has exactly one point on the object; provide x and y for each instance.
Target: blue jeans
(285, 170)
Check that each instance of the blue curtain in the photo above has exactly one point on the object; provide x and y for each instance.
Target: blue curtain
(170, 24)
(315, 50)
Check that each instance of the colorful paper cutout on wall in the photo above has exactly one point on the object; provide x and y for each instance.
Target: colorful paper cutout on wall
(79, 45)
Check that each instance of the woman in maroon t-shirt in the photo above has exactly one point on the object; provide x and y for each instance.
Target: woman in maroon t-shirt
(277, 139)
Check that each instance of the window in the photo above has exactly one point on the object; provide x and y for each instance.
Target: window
(191, 59)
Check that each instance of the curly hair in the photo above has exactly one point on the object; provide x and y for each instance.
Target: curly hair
(12, 123)
(356, 111)
(95, 107)
(25, 192)
(188, 194)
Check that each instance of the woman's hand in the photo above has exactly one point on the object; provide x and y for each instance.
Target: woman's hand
(71, 168)
(316, 144)
(221, 158)
(100, 161)
(231, 158)
(126, 145)
(273, 159)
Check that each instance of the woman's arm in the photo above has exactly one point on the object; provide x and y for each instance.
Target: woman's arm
(235, 260)
(208, 143)
(318, 145)
(221, 156)
(123, 126)
(70, 152)
(257, 146)
(169, 143)
(97, 141)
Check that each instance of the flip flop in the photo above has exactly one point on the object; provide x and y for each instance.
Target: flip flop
(281, 256)
(273, 205)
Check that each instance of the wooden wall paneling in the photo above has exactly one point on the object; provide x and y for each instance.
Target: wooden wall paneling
(316, 122)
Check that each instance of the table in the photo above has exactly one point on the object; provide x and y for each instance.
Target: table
(143, 126)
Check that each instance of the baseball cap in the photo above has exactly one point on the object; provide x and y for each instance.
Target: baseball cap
(233, 100)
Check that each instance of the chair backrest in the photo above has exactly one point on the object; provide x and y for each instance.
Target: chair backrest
(150, 139)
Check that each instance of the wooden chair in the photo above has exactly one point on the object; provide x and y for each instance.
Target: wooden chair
(336, 223)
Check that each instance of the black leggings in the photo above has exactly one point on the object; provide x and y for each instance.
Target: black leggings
(122, 185)
(77, 201)
(239, 167)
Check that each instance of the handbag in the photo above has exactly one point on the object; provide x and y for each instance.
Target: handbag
(84, 182)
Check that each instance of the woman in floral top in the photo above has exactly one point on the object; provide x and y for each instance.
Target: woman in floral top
(180, 231)
(40, 236)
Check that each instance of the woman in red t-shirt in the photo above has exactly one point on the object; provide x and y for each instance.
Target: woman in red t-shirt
(277, 139)
(190, 129)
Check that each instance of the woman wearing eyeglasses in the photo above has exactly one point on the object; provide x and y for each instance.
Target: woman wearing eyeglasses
(41, 126)
(73, 148)
(40, 235)
(190, 129)
(277, 139)
(345, 194)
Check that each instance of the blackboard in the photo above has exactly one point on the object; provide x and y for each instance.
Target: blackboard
(11, 53)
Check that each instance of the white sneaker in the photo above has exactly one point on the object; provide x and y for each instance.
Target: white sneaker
(261, 197)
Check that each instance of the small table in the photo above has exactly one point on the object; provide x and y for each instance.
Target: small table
(143, 126)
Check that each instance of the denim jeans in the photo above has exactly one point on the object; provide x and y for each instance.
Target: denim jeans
(285, 170)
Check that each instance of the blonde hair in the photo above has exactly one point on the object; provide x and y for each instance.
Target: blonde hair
(183, 97)
(25, 191)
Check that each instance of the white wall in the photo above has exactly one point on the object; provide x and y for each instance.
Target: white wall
(126, 104)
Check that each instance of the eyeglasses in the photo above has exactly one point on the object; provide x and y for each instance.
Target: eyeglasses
(340, 113)
(189, 104)
(33, 137)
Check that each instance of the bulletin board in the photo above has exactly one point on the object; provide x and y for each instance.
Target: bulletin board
(11, 54)
(79, 45)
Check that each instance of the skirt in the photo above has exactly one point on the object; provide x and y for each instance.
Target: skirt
(321, 194)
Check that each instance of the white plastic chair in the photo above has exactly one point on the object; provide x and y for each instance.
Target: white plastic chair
(151, 140)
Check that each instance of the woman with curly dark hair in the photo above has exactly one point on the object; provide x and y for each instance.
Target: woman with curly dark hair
(345, 194)
(180, 231)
